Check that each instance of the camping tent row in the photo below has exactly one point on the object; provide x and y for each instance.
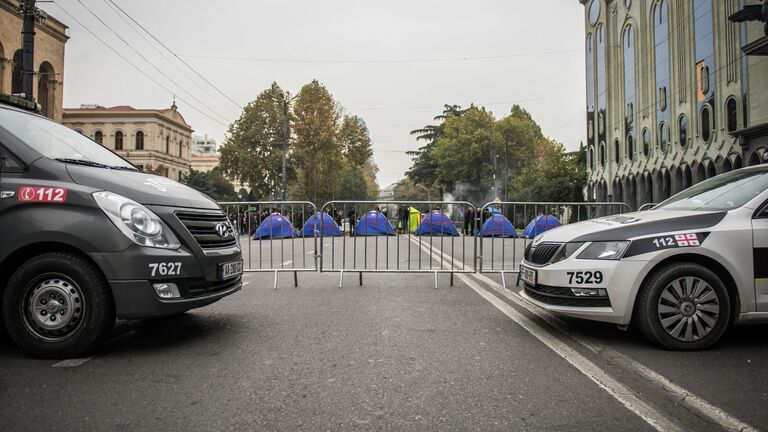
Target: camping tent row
(374, 223)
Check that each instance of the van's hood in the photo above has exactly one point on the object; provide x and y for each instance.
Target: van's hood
(631, 225)
(141, 187)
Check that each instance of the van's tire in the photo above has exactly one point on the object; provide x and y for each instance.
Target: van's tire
(58, 305)
(683, 306)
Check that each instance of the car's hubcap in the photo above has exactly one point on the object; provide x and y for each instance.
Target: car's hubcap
(53, 307)
(688, 309)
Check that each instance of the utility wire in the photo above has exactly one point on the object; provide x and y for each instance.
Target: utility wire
(175, 55)
(151, 78)
(167, 58)
(160, 71)
(379, 61)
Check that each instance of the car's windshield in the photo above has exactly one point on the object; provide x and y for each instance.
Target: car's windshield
(55, 141)
(724, 192)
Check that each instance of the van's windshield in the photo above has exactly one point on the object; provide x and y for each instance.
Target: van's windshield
(725, 192)
(58, 142)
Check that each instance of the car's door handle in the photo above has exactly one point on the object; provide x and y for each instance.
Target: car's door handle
(7, 194)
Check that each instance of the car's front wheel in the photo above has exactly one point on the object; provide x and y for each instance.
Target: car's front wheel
(683, 306)
(58, 305)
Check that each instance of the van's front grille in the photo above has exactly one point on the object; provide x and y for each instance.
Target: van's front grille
(202, 226)
(542, 253)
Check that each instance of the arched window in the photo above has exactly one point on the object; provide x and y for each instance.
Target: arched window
(2, 65)
(660, 16)
(602, 154)
(663, 137)
(731, 115)
(168, 144)
(629, 80)
(99, 137)
(646, 142)
(16, 75)
(682, 125)
(139, 140)
(616, 153)
(591, 157)
(45, 88)
(594, 12)
(706, 123)
(590, 50)
(704, 44)
(118, 140)
(181, 149)
(600, 39)
(631, 147)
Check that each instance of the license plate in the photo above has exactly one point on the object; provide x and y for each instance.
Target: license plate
(230, 269)
(528, 275)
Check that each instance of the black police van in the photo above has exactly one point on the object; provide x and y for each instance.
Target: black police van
(86, 237)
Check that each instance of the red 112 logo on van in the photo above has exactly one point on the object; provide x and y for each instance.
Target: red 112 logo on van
(42, 194)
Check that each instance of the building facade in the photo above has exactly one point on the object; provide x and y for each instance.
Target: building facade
(671, 98)
(50, 38)
(155, 140)
(204, 146)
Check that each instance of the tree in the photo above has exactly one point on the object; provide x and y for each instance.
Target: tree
(212, 184)
(252, 150)
(407, 190)
(316, 147)
(552, 176)
(201, 182)
(354, 140)
(424, 168)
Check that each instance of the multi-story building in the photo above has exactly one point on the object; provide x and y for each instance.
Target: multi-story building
(204, 146)
(155, 140)
(671, 97)
(50, 37)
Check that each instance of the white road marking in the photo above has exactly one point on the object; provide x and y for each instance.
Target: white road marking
(72, 362)
(623, 394)
(682, 395)
(246, 283)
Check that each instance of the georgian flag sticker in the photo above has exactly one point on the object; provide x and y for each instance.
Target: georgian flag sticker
(687, 240)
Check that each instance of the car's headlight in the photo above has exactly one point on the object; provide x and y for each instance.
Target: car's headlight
(137, 222)
(566, 251)
(610, 250)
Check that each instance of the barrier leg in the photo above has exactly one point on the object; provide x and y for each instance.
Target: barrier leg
(503, 280)
(435, 280)
(274, 287)
(451, 279)
(361, 278)
(296, 279)
(341, 279)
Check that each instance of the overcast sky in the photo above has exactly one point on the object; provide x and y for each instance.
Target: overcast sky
(394, 63)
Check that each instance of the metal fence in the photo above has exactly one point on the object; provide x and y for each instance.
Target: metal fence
(398, 237)
(276, 236)
(437, 237)
(648, 206)
(506, 228)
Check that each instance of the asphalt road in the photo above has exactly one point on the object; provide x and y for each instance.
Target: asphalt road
(392, 354)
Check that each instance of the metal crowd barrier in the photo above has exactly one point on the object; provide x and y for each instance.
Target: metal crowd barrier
(648, 206)
(275, 236)
(503, 237)
(397, 237)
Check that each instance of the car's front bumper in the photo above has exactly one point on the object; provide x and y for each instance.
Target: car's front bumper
(620, 280)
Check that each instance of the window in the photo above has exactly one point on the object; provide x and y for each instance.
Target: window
(660, 18)
(602, 101)
(683, 130)
(594, 12)
(646, 142)
(616, 153)
(181, 149)
(704, 50)
(591, 157)
(629, 80)
(140, 167)
(731, 115)
(168, 145)
(602, 154)
(98, 137)
(631, 147)
(628, 4)
(590, 89)
(139, 140)
(118, 140)
(9, 162)
(706, 124)
(663, 137)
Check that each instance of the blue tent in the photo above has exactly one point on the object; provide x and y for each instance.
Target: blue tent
(498, 226)
(437, 223)
(373, 223)
(275, 226)
(329, 226)
(541, 223)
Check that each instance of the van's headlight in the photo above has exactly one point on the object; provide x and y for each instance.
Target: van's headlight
(137, 222)
(610, 250)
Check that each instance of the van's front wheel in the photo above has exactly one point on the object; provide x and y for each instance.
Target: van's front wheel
(57, 305)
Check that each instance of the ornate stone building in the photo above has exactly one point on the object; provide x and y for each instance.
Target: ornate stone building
(155, 140)
(50, 37)
(671, 98)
